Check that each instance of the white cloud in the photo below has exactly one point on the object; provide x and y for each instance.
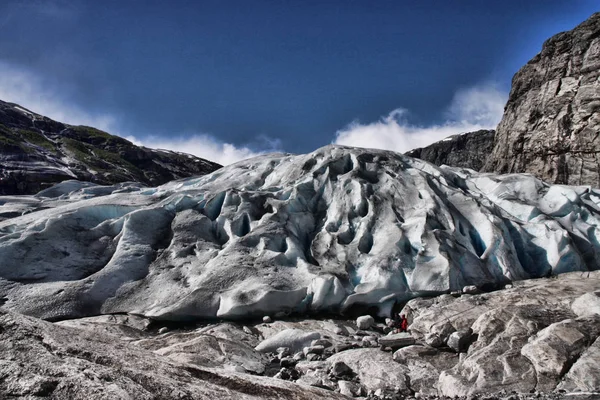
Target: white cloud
(30, 91)
(203, 146)
(27, 89)
(471, 109)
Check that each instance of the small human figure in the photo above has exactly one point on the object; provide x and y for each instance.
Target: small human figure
(403, 323)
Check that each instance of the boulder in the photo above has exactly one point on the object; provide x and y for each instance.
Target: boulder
(397, 340)
(584, 375)
(459, 341)
(340, 369)
(365, 322)
(313, 350)
(553, 349)
(587, 304)
(294, 339)
(375, 369)
(350, 389)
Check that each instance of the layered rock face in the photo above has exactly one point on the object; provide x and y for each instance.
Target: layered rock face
(552, 119)
(467, 150)
(37, 152)
(337, 230)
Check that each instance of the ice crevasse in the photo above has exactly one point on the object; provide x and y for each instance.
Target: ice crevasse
(334, 230)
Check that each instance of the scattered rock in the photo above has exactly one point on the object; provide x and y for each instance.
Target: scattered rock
(313, 350)
(587, 304)
(397, 340)
(364, 322)
(459, 341)
(340, 369)
(472, 289)
(350, 389)
(294, 339)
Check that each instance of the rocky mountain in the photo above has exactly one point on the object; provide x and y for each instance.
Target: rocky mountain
(552, 119)
(37, 152)
(466, 150)
(337, 230)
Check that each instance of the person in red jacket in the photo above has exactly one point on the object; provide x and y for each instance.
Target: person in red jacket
(403, 323)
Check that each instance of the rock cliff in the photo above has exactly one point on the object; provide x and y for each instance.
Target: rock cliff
(467, 150)
(551, 122)
(37, 152)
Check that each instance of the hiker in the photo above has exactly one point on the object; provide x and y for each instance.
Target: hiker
(403, 323)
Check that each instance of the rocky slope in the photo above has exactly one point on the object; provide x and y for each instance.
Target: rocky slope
(552, 119)
(466, 150)
(337, 230)
(37, 152)
(537, 339)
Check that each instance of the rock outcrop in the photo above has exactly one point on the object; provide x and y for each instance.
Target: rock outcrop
(339, 230)
(552, 119)
(466, 150)
(37, 152)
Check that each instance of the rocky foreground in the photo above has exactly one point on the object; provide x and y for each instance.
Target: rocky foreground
(534, 339)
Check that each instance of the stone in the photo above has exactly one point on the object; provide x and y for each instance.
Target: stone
(587, 304)
(350, 389)
(313, 350)
(433, 340)
(374, 369)
(312, 357)
(397, 340)
(552, 349)
(267, 320)
(288, 362)
(365, 322)
(471, 289)
(322, 342)
(339, 369)
(292, 338)
(584, 374)
(282, 352)
(459, 341)
(163, 330)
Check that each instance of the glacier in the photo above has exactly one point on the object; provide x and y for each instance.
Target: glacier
(337, 230)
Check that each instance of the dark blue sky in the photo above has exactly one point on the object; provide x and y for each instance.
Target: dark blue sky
(287, 74)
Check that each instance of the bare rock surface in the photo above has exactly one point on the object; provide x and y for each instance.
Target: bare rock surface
(526, 338)
(467, 150)
(39, 359)
(552, 117)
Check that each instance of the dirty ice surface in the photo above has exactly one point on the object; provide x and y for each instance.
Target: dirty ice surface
(333, 230)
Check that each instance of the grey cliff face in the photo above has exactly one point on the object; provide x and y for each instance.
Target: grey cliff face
(467, 150)
(551, 121)
(37, 152)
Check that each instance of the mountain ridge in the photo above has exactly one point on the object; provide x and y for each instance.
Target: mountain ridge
(37, 152)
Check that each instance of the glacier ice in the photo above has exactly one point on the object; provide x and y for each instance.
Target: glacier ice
(334, 230)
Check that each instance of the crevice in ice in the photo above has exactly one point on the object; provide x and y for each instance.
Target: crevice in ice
(478, 244)
(213, 207)
(241, 226)
(365, 244)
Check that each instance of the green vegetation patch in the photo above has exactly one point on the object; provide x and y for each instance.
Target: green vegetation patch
(38, 139)
(93, 135)
(78, 149)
